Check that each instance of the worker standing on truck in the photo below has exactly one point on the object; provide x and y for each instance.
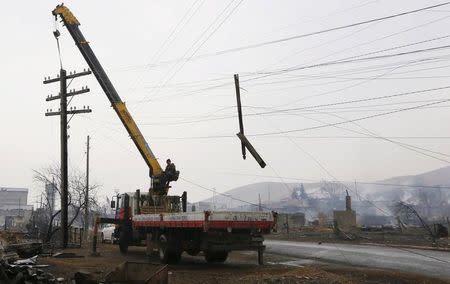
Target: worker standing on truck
(170, 172)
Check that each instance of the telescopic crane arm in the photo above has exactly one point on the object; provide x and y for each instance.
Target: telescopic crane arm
(71, 23)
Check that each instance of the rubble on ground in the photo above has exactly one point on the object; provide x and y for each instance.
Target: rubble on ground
(26, 271)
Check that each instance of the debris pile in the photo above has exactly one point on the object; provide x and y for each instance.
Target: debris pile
(26, 271)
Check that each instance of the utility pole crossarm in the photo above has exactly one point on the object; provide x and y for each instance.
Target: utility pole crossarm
(77, 111)
(70, 76)
(69, 94)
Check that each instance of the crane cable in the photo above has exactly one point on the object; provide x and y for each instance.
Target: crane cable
(56, 33)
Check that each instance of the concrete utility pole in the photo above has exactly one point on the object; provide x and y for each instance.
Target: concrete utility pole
(86, 200)
(63, 112)
(64, 167)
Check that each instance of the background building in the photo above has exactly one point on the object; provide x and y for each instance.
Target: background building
(14, 211)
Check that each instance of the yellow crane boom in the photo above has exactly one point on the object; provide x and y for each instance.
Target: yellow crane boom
(159, 179)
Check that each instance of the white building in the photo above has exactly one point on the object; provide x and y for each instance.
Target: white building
(14, 210)
(14, 198)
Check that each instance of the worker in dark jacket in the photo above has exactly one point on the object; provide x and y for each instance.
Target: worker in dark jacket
(170, 172)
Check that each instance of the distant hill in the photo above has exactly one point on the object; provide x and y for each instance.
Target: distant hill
(385, 190)
(437, 177)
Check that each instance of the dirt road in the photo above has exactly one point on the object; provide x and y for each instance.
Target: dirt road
(241, 267)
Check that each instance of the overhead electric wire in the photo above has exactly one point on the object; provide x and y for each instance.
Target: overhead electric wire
(347, 60)
(330, 63)
(331, 29)
(175, 31)
(319, 126)
(324, 75)
(382, 50)
(200, 56)
(164, 82)
(351, 120)
(377, 39)
(163, 48)
(319, 32)
(205, 40)
(328, 172)
(308, 107)
(333, 74)
(419, 150)
(353, 101)
(307, 110)
(410, 147)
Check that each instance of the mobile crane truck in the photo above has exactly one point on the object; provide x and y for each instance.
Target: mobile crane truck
(160, 220)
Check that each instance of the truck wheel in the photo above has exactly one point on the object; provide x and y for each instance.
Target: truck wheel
(193, 251)
(123, 242)
(216, 256)
(167, 254)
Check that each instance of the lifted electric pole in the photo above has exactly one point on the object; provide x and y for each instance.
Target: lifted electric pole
(62, 112)
(244, 141)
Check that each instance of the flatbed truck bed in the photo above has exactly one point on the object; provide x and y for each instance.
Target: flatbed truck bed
(216, 233)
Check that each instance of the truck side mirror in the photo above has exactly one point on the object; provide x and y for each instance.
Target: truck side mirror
(113, 204)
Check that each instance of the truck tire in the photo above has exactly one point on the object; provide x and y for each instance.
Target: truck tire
(168, 255)
(193, 251)
(216, 256)
(123, 242)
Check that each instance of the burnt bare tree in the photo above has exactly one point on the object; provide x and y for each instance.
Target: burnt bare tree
(76, 198)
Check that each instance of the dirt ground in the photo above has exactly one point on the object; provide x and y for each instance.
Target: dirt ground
(241, 267)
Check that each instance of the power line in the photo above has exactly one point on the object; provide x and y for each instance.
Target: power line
(331, 63)
(175, 32)
(380, 38)
(308, 34)
(351, 120)
(287, 110)
(378, 51)
(164, 82)
(401, 144)
(353, 101)
(329, 30)
(315, 33)
(347, 60)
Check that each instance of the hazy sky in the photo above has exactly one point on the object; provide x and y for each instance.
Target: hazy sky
(186, 110)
